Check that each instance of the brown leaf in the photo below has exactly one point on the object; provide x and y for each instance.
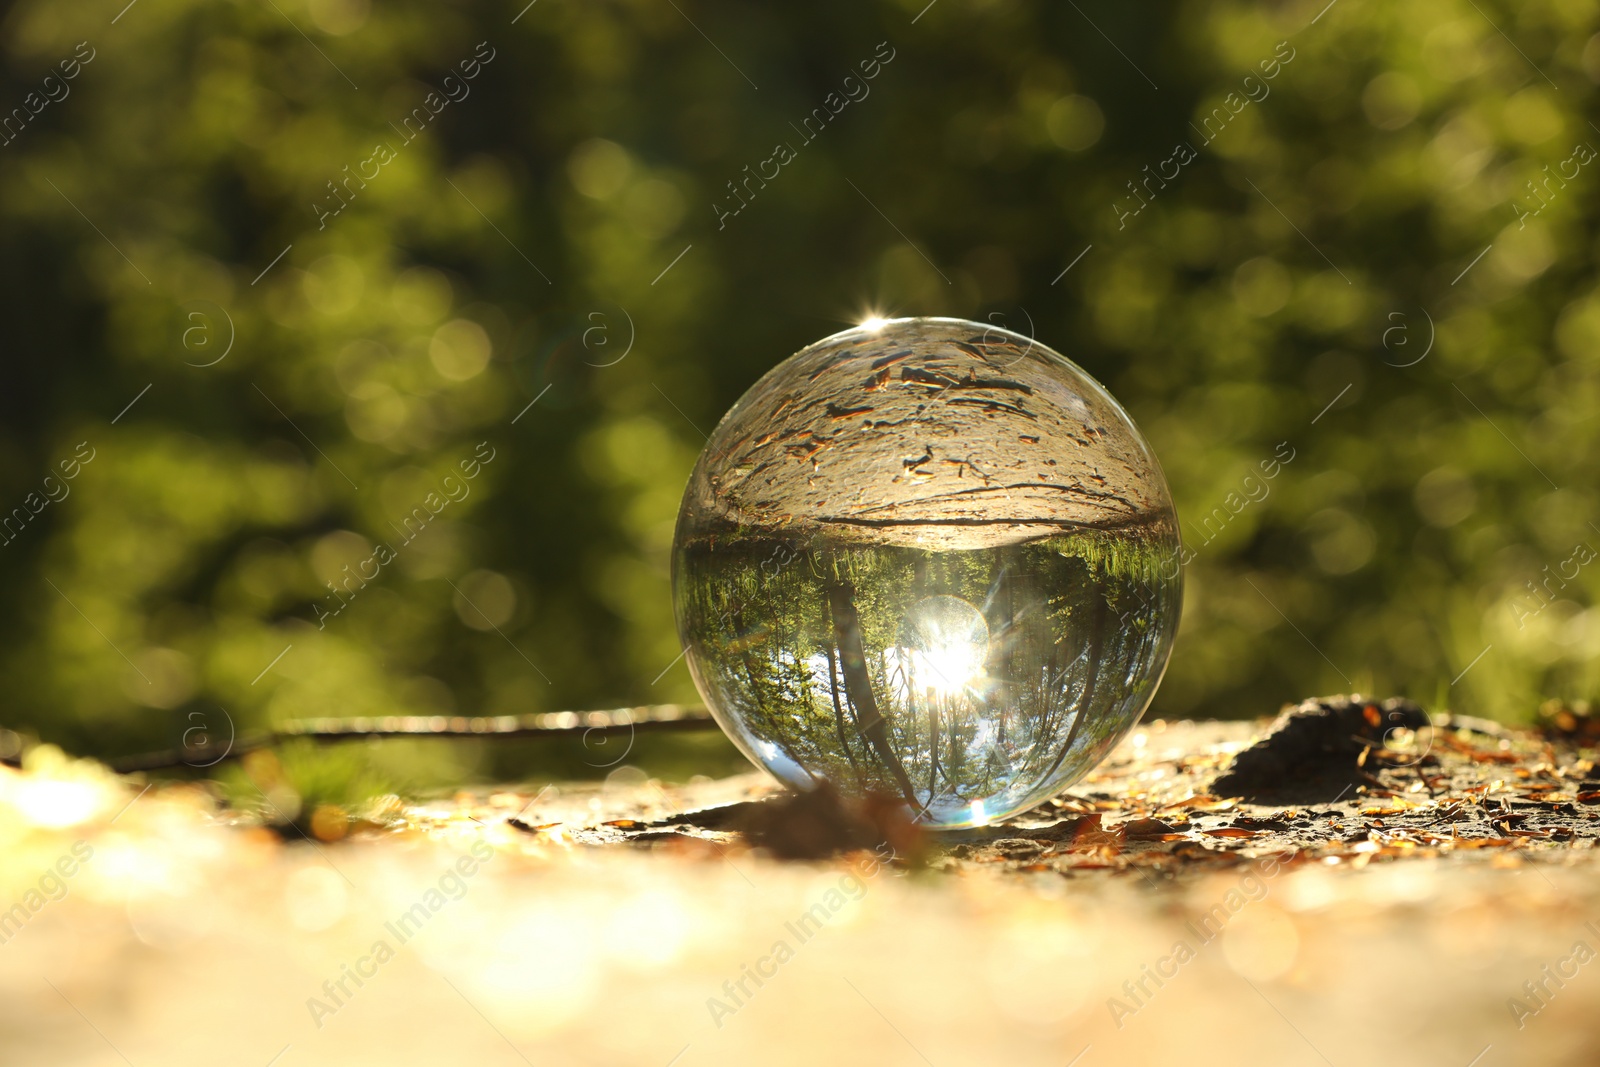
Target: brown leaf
(1090, 833)
(1204, 802)
(1148, 829)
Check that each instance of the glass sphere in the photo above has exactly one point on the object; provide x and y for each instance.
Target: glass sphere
(931, 559)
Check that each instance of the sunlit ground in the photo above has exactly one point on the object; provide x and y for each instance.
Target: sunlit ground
(443, 933)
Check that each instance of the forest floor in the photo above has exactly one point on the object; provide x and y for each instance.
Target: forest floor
(1433, 901)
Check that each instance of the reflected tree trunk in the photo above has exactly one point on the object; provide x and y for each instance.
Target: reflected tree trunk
(853, 664)
(1000, 583)
(1096, 647)
(838, 712)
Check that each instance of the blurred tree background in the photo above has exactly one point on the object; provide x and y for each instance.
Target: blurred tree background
(313, 332)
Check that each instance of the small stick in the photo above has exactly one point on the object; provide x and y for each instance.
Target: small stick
(650, 718)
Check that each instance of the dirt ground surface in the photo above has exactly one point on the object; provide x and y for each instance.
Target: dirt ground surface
(1428, 897)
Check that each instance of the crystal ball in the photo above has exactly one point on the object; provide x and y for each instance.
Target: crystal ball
(929, 559)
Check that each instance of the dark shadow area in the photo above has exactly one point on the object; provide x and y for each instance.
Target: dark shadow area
(1315, 752)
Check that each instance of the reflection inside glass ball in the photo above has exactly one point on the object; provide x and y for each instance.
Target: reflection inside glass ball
(929, 559)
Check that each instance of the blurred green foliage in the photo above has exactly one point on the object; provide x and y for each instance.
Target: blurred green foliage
(519, 244)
